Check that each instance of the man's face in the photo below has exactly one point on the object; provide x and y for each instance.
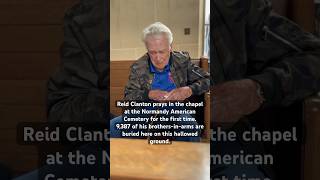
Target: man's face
(159, 50)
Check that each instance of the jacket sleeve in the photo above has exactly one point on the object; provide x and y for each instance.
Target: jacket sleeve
(289, 58)
(198, 79)
(74, 92)
(134, 90)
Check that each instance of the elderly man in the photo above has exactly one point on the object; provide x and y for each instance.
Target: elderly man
(162, 74)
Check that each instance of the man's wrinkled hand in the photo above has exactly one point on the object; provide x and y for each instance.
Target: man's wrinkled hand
(235, 99)
(179, 94)
(157, 95)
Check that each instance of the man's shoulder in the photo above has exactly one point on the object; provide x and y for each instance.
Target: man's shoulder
(180, 58)
(141, 63)
(181, 55)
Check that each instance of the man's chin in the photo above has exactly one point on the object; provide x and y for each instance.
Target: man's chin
(160, 68)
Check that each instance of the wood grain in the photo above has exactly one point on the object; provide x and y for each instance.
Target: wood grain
(31, 38)
(20, 163)
(31, 33)
(28, 66)
(136, 159)
(23, 92)
(312, 144)
(11, 115)
(33, 12)
(303, 13)
(116, 94)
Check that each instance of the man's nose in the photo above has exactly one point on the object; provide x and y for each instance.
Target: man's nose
(157, 56)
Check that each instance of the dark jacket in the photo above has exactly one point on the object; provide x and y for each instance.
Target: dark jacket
(78, 91)
(184, 73)
(250, 41)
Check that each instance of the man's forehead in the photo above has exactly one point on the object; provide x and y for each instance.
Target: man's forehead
(157, 49)
(157, 38)
(157, 45)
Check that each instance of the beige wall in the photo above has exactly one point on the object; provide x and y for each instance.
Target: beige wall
(129, 17)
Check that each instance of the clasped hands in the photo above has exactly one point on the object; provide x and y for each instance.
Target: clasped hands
(179, 94)
(235, 99)
(230, 100)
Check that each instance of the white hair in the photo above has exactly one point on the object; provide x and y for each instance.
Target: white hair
(157, 28)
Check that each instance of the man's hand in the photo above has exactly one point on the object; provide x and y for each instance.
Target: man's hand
(157, 95)
(234, 99)
(179, 94)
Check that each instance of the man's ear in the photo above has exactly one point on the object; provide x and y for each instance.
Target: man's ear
(170, 47)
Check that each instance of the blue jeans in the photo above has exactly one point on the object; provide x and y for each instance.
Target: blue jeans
(116, 133)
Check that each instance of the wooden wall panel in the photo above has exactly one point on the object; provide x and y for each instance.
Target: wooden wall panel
(119, 72)
(312, 144)
(30, 38)
(20, 158)
(11, 115)
(19, 149)
(31, 33)
(24, 92)
(20, 163)
(33, 2)
(28, 66)
(42, 12)
(116, 94)
(303, 13)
